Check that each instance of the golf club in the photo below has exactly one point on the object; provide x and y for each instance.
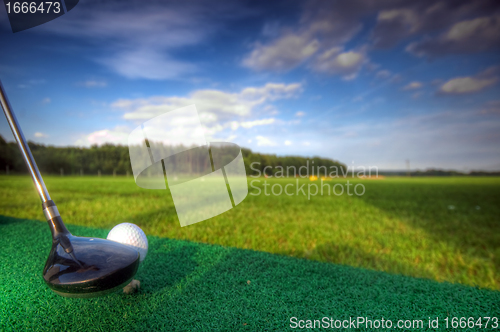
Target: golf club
(76, 266)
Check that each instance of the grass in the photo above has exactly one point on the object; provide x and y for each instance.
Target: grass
(400, 225)
(188, 286)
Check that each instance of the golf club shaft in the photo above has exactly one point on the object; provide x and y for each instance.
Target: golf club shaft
(49, 208)
(23, 146)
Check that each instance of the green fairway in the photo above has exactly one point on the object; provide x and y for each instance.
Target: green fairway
(188, 286)
(446, 229)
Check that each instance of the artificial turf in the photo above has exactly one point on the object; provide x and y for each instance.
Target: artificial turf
(188, 286)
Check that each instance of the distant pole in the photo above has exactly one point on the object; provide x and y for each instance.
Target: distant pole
(98, 172)
(408, 173)
(62, 171)
(114, 173)
(7, 169)
(81, 171)
(127, 173)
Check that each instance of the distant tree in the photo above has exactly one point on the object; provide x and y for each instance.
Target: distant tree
(109, 158)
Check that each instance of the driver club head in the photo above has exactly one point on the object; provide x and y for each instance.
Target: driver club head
(94, 267)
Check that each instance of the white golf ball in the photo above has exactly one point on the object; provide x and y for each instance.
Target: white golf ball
(131, 235)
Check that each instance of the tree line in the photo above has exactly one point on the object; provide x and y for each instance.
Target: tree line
(439, 172)
(110, 159)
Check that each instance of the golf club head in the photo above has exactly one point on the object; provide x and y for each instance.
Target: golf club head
(95, 267)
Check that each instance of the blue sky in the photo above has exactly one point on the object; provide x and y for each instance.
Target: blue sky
(374, 83)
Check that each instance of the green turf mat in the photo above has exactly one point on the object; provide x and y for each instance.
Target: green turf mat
(189, 286)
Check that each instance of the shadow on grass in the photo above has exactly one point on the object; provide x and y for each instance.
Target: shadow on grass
(4, 220)
(357, 257)
(464, 216)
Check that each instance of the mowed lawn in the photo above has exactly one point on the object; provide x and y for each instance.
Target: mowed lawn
(446, 229)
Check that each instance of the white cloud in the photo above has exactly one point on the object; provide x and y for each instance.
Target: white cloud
(322, 26)
(139, 41)
(413, 85)
(147, 63)
(271, 91)
(31, 83)
(407, 15)
(219, 113)
(334, 61)
(326, 25)
(383, 74)
(213, 105)
(306, 143)
(283, 54)
(467, 36)
(264, 141)
(250, 124)
(300, 113)
(40, 135)
(393, 25)
(462, 85)
(93, 84)
(118, 135)
(288, 143)
(485, 26)
(398, 20)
